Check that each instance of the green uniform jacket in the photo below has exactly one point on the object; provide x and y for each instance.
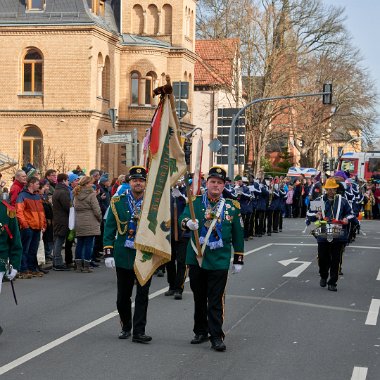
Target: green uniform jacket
(9, 248)
(232, 234)
(115, 232)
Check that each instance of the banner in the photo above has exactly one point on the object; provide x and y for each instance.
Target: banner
(167, 165)
(196, 183)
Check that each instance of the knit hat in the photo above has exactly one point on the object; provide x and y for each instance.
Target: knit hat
(340, 173)
(104, 178)
(237, 178)
(73, 177)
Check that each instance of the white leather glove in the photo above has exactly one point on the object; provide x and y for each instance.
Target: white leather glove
(10, 276)
(193, 225)
(236, 268)
(110, 262)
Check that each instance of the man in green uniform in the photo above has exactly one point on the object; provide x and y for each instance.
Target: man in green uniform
(122, 220)
(220, 225)
(10, 243)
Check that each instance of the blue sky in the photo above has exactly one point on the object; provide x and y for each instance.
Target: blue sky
(362, 22)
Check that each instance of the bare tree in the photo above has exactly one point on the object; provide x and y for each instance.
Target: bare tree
(288, 47)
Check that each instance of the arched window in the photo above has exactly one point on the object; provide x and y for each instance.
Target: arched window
(167, 18)
(32, 146)
(106, 79)
(32, 71)
(192, 25)
(100, 66)
(137, 20)
(150, 80)
(135, 79)
(152, 20)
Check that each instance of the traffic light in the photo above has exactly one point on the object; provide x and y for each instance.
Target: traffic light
(332, 164)
(327, 98)
(325, 166)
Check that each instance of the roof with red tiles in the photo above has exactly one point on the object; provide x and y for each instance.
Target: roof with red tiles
(215, 64)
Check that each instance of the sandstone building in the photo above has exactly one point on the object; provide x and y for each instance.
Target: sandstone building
(66, 63)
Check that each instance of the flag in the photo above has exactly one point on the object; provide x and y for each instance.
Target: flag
(196, 183)
(167, 165)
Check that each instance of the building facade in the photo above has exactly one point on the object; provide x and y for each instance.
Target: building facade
(66, 64)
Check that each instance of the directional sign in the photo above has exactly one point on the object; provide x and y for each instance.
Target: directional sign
(295, 272)
(215, 145)
(120, 138)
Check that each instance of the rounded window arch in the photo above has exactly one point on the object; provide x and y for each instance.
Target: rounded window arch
(150, 84)
(32, 146)
(137, 19)
(32, 65)
(135, 88)
(152, 20)
(167, 12)
(106, 79)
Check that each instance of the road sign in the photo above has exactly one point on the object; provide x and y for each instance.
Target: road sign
(295, 272)
(215, 145)
(120, 138)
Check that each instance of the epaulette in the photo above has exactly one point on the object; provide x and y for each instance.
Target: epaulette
(11, 211)
(236, 203)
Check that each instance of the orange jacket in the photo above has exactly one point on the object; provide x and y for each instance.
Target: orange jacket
(30, 211)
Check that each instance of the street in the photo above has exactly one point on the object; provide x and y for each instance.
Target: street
(279, 323)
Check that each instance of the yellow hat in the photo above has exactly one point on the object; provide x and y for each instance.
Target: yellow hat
(331, 184)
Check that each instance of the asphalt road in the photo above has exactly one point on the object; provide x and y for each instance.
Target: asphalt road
(279, 323)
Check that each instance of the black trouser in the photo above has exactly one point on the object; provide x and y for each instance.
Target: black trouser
(276, 219)
(125, 281)
(259, 222)
(208, 290)
(246, 220)
(329, 258)
(269, 215)
(68, 251)
(176, 267)
(280, 220)
(252, 227)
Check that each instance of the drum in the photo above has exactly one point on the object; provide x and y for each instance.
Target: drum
(329, 231)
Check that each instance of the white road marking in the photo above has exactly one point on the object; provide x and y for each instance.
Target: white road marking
(49, 346)
(378, 276)
(359, 373)
(373, 312)
(314, 245)
(31, 355)
(297, 271)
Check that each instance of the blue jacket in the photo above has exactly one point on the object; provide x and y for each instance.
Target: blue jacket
(244, 198)
(262, 198)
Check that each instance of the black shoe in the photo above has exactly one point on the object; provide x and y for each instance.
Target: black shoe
(44, 271)
(61, 268)
(260, 235)
(93, 264)
(177, 296)
(199, 339)
(218, 345)
(124, 334)
(323, 282)
(269, 234)
(280, 230)
(96, 260)
(169, 293)
(1, 330)
(340, 273)
(275, 232)
(141, 338)
(333, 288)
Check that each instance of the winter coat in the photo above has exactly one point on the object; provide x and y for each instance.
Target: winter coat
(88, 215)
(61, 209)
(30, 211)
(14, 191)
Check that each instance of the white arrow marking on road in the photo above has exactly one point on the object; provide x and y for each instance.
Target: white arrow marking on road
(373, 312)
(295, 272)
(359, 373)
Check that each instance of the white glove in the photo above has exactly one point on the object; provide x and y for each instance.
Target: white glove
(10, 276)
(110, 262)
(236, 268)
(193, 225)
(176, 193)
